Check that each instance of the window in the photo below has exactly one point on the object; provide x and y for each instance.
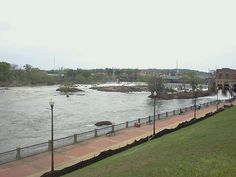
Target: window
(227, 75)
(220, 76)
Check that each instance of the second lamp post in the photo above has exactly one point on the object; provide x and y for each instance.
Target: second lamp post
(217, 99)
(51, 103)
(195, 103)
(154, 113)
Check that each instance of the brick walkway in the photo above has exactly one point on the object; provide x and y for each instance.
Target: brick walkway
(36, 165)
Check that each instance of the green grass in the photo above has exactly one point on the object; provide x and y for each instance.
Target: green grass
(206, 149)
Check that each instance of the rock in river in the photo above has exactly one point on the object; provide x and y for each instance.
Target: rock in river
(69, 89)
(101, 123)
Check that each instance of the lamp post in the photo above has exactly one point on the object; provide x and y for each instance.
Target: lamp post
(195, 103)
(217, 99)
(154, 113)
(231, 95)
(51, 103)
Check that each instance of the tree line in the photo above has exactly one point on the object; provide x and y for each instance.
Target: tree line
(13, 75)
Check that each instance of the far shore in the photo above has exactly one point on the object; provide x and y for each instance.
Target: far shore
(25, 85)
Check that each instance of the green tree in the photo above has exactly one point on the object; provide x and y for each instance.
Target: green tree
(80, 79)
(37, 76)
(28, 67)
(70, 74)
(109, 71)
(5, 71)
(86, 74)
(82, 76)
(117, 72)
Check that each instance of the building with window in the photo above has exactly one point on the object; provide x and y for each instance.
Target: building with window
(226, 79)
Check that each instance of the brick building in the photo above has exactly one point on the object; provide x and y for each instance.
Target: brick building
(226, 79)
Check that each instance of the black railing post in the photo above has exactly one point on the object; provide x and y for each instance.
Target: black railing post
(217, 99)
(154, 116)
(18, 156)
(195, 103)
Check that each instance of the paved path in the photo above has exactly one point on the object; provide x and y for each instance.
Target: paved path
(36, 165)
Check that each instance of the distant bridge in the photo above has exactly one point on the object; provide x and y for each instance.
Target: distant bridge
(226, 79)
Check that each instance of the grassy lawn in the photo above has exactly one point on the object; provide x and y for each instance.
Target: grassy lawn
(206, 149)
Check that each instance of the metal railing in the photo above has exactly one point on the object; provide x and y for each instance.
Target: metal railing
(20, 153)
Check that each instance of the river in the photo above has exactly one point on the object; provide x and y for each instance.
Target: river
(25, 112)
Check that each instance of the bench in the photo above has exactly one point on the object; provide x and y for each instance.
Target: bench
(110, 133)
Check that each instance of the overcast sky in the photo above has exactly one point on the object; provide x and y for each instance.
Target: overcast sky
(199, 34)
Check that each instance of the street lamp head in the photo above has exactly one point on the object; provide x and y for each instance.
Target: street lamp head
(51, 102)
(154, 94)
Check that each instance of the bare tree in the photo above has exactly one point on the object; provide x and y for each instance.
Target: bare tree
(192, 79)
(156, 84)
